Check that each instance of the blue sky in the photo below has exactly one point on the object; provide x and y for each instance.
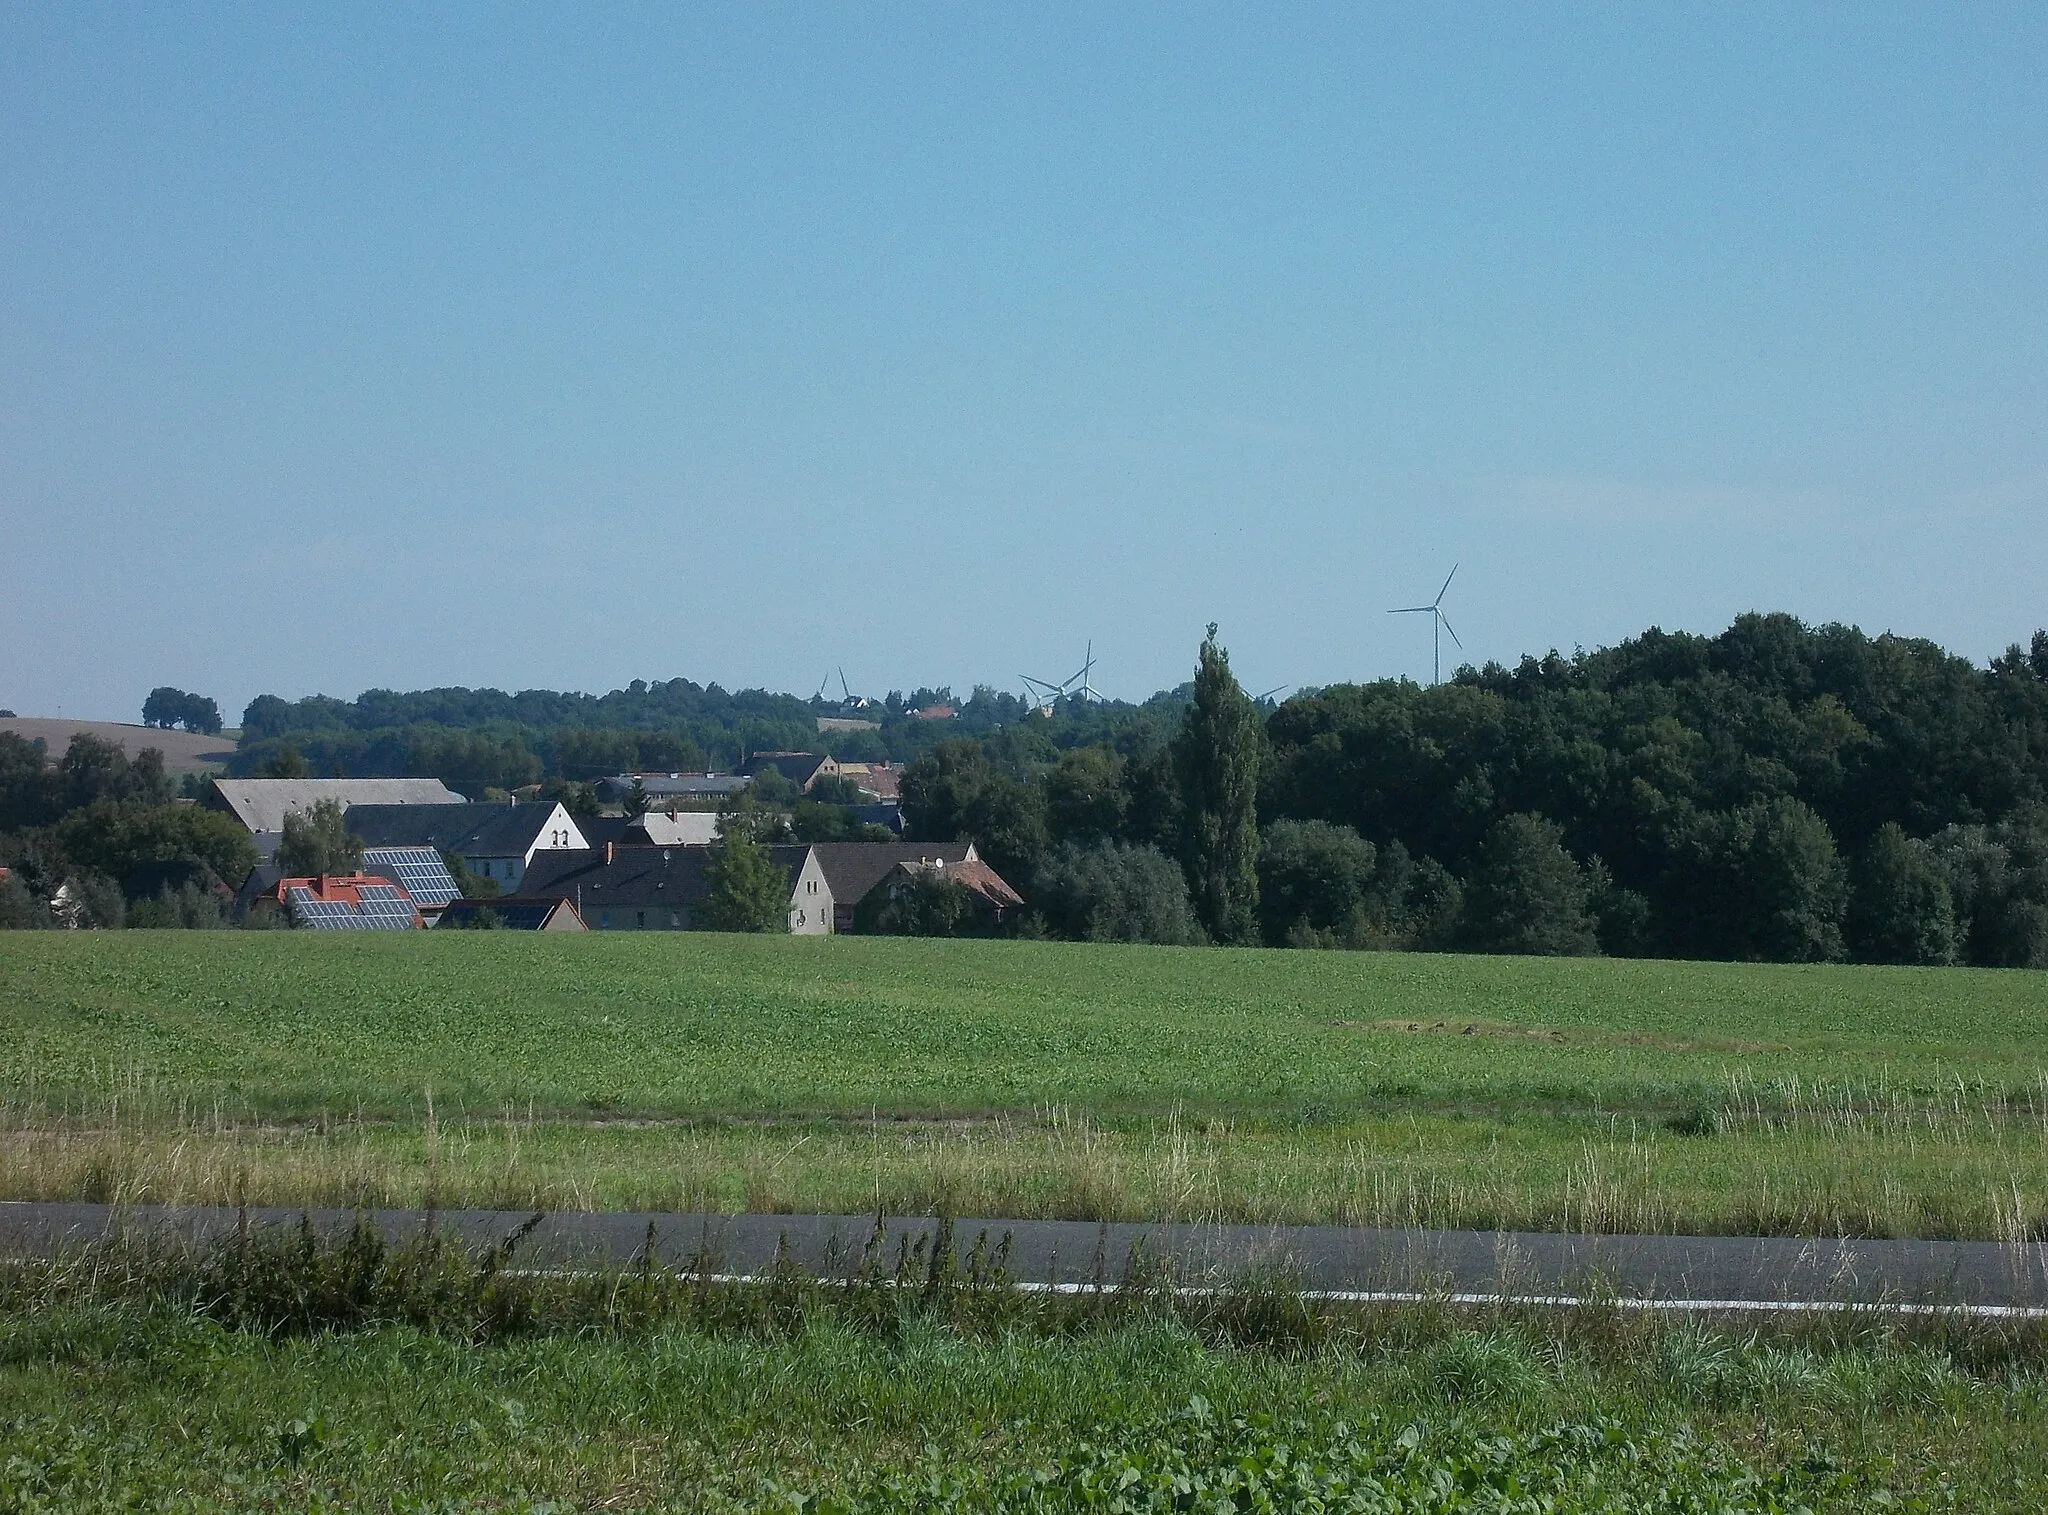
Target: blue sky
(554, 347)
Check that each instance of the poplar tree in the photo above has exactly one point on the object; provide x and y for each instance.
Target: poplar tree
(1216, 761)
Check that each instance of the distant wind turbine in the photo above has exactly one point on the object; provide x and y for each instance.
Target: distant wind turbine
(1439, 624)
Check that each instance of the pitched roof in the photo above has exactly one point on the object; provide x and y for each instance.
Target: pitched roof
(674, 828)
(351, 902)
(515, 914)
(262, 804)
(798, 767)
(671, 877)
(475, 830)
(419, 871)
(853, 868)
(977, 878)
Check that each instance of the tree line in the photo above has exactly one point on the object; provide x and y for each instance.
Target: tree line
(1776, 793)
(478, 739)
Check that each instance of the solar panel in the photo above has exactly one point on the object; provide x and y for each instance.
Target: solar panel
(418, 870)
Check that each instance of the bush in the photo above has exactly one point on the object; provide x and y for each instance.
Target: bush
(1901, 910)
(1112, 892)
(1527, 894)
(188, 908)
(1313, 880)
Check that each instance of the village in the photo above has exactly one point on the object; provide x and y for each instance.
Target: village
(424, 856)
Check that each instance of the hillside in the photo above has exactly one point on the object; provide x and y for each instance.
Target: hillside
(184, 751)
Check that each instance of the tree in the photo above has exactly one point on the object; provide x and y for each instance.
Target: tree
(1216, 760)
(1111, 892)
(167, 707)
(148, 848)
(1313, 879)
(1758, 884)
(748, 891)
(954, 793)
(1528, 894)
(286, 763)
(636, 797)
(1901, 910)
(20, 910)
(1084, 795)
(316, 841)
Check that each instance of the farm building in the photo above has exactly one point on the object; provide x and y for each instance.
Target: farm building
(497, 842)
(356, 902)
(262, 804)
(664, 888)
(853, 869)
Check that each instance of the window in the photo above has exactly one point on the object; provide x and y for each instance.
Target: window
(640, 919)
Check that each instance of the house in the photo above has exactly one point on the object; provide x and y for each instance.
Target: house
(671, 788)
(673, 828)
(355, 902)
(262, 804)
(852, 869)
(992, 899)
(880, 782)
(497, 842)
(514, 915)
(664, 888)
(802, 769)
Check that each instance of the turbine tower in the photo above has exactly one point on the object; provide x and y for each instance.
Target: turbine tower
(1439, 624)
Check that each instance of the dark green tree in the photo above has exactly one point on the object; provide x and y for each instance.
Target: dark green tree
(148, 848)
(1085, 799)
(1900, 910)
(748, 892)
(20, 910)
(1527, 894)
(286, 763)
(1758, 884)
(1313, 882)
(1110, 892)
(1216, 760)
(316, 841)
(636, 797)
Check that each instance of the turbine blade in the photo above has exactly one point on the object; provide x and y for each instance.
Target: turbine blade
(1447, 626)
(1447, 584)
(1413, 610)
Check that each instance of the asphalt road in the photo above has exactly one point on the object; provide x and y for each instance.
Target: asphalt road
(1334, 1260)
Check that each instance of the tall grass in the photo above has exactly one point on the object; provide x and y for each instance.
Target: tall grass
(285, 1369)
(1866, 1162)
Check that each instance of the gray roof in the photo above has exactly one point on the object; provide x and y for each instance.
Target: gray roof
(677, 786)
(262, 804)
(853, 868)
(473, 831)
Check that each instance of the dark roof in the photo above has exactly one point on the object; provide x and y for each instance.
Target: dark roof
(853, 868)
(512, 914)
(479, 830)
(599, 829)
(798, 767)
(676, 786)
(672, 877)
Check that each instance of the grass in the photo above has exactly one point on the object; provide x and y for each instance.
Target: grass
(687, 1071)
(276, 1373)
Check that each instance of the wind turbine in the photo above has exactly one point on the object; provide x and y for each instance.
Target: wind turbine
(1260, 699)
(1439, 624)
(1045, 693)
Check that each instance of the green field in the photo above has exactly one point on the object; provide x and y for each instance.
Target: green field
(680, 1071)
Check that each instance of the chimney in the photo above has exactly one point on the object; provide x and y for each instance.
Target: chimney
(608, 852)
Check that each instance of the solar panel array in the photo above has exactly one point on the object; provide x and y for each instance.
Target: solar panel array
(384, 908)
(419, 869)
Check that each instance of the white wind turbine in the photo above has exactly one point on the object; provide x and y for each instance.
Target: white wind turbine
(1439, 624)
